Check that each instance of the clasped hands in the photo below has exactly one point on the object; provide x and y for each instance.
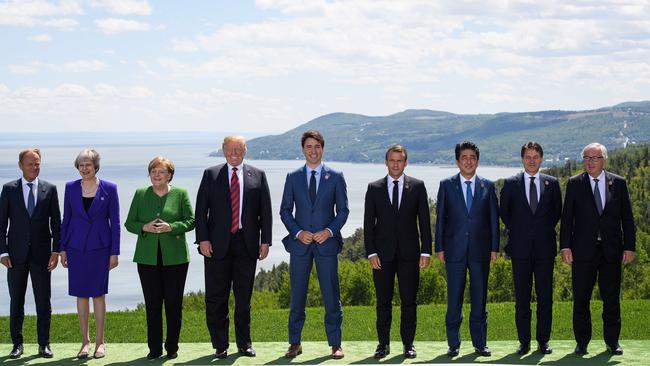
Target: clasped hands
(307, 237)
(157, 226)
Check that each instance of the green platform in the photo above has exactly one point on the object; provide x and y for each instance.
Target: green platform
(637, 352)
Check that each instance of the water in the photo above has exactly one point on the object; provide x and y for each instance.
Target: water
(124, 161)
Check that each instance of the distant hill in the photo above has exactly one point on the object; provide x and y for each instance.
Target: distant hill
(430, 136)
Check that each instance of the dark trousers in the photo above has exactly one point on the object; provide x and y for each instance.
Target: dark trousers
(478, 277)
(236, 270)
(523, 271)
(41, 285)
(584, 276)
(408, 279)
(163, 284)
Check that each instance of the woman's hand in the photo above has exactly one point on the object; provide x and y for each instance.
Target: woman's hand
(162, 227)
(112, 262)
(64, 259)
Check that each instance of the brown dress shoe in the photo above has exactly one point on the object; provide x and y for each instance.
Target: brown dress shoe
(293, 351)
(337, 352)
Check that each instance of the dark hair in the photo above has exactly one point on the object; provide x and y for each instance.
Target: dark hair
(466, 145)
(397, 148)
(532, 145)
(316, 135)
(22, 154)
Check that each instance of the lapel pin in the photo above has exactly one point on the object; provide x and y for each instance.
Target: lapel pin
(327, 176)
(610, 182)
(406, 186)
(101, 198)
(482, 186)
(545, 182)
(249, 174)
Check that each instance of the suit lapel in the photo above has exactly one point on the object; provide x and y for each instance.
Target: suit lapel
(322, 182)
(455, 181)
(522, 187)
(543, 181)
(478, 192)
(586, 182)
(21, 196)
(40, 196)
(405, 191)
(248, 177)
(609, 182)
(97, 200)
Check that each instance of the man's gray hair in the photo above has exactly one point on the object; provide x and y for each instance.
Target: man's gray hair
(603, 149)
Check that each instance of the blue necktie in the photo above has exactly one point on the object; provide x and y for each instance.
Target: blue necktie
(468, 200)
(312, 186)
(30, 200)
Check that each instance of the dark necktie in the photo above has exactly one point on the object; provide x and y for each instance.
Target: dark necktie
(30, 200)
(532, 193)
(468, 193)
(396, 195)
(599, 202)
(312, 186)
(234, 201)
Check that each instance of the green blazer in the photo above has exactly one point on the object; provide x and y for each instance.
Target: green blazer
(174, 208)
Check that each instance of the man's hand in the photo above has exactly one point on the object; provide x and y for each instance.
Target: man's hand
(6, 261)
(205, 247)
(567, 256)
(112, 262)
(493, 257)
(628, 256)
(306, 237)
(52, 263)
(264, 251)
(441, 256)
(375, 263)
(321, 236)
(424, 261)
(64, 259)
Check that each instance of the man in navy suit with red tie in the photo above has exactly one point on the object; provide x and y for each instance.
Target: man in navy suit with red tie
(30, 224)
(597, 235)
(530, 207)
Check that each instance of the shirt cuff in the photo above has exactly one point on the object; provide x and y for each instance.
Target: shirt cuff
(331, 233)
(298, 233)
(372, 255)
(563, 249)
(425, 255)
(4, 255)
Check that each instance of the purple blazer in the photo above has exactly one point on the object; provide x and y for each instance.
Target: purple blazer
(98, 228)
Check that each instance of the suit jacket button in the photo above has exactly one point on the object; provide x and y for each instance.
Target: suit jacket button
(178, 237)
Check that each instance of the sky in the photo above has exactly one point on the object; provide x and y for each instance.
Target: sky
(267, 66)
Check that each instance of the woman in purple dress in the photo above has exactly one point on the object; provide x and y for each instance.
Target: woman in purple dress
(90, 244)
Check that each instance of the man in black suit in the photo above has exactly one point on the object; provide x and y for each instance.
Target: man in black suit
(29, 208)
(597, 234)
(530, 207)
(233, 230)
(395, 206)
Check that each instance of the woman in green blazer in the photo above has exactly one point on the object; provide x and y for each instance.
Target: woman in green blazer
(161, 215)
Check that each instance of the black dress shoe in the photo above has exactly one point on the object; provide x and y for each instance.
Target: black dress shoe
(615, 350)
(382, 351)
(17, 351)
(45, 351)
(544, 348)
(453, 351)
(483, 351)
(221, 354)
(580, 350)
(153, 355)
(409, 352)
(171, 356)
(523, 349)
(248, 351)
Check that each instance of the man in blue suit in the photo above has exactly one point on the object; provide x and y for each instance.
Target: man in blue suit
(319, 197)
(467, 238)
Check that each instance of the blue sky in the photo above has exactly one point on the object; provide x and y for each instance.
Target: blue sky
(269, 65)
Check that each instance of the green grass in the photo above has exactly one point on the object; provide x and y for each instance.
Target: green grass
(358, 324)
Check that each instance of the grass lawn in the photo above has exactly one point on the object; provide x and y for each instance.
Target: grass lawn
(358, 324)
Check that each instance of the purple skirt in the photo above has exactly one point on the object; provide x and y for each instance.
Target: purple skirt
(88, 272)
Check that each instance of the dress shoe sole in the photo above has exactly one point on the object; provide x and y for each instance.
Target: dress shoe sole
(293, 355)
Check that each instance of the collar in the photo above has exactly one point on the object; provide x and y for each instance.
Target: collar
(318, 169)
(601, 177)
(239, 167)
(390, 179)
(536, 175)
(24, 182)
(463, 180)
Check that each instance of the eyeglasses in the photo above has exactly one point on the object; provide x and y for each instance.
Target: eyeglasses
(589, 159)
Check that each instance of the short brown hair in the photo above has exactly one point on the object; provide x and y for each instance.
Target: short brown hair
(397, 148)
(316, 135)
(165, 163)
(22, 154)
(534, 146)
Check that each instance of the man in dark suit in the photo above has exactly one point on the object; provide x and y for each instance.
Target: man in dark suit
(530, 206)
(467, 238)
(319, 196)
(597, 234)
(233, 230)
(30, 223)
(395, 207)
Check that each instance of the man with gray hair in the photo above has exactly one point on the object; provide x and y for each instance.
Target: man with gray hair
(597, 235)
(30, 224)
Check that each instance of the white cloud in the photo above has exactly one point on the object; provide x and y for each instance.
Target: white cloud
(40, 38)
(124, 7)
(23, 69)
(116, 26)
(83, 66)
(34, 13)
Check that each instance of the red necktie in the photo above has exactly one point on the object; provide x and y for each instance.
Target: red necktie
(234, 201)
